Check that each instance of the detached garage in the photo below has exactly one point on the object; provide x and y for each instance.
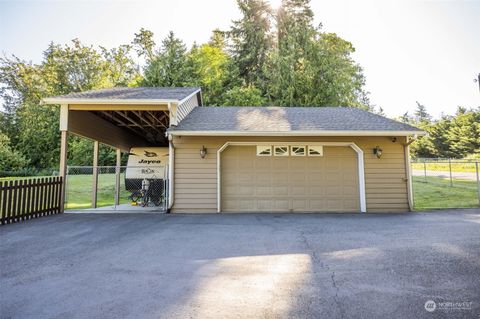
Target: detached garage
(290, 159)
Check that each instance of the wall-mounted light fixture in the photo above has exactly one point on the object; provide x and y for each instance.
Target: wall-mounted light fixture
(394, 139)
(203, 152)
(377, 151)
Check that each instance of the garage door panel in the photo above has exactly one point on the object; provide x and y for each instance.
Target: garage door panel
(315, 164)
(280, 190)
(302, 184)
(282, 205)
(350, 205)
(300, 205)
(245, 191)
(316, 205)
(334, 204)
(265, 204)
(236, 204)
(349, 176)
(246, 165)
(313, 177)
(298, 164)
(296, 190)
(263, 190)
(263, 163)
(350, 191)
(333, 190)
(298, 178)
(333, 165)
(261, 176)
(316, 190)
(280, 163)
(280, 178)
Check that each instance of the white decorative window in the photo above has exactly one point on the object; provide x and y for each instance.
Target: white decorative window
(264, 150)
(298, 150)
(280, 150)
(315, 150)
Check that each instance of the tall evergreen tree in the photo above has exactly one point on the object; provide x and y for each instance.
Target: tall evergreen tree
(167, 67)
(311, 68)
(251, 40)
(421, 114)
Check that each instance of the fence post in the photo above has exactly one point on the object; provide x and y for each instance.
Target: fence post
(478, 182)
(450, 169)
(425, 169)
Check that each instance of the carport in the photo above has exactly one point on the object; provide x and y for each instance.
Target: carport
(121, 118)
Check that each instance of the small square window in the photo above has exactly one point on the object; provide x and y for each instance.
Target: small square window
(280, 150)
(298, 150)
(264, 150)
(315, 150)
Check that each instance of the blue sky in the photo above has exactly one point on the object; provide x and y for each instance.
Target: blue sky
(427, 51)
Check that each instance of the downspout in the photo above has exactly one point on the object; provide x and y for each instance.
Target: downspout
(171, 161)
(408, 170)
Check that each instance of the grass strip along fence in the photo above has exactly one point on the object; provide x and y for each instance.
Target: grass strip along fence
(30, 198)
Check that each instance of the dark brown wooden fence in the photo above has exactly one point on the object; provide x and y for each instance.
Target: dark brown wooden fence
(29, 198)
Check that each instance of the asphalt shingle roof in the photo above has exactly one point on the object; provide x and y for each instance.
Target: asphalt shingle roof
(287, 119)
(138, 93)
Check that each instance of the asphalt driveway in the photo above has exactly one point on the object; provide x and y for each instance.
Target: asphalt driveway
(242, 266)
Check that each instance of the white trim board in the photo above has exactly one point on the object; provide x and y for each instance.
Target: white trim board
(106, 101)
(296, 133)
(65, 100)
(360, 163)
(188, 97)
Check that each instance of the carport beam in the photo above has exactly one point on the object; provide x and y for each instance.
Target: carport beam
(95, 174)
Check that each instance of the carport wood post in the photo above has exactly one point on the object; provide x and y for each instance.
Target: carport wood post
(117, 177)
(63, 152)
(478, 182)
(95, 174)
(425, 169)
(450, 169)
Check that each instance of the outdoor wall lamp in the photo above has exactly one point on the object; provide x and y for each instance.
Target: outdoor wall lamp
(203, 152)
(377, 151)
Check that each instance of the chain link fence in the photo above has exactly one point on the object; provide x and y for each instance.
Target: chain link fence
(116, 188)
(446, 183)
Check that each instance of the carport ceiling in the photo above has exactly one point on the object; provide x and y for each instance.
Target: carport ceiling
(150, 125)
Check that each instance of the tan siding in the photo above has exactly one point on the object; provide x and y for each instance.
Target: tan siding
(385, 178)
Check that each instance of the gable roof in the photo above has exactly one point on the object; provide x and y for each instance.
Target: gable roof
(126, 95)
(302, 121)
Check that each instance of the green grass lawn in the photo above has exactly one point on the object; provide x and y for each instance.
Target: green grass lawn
(79, 191)
(20, 177)
(456, 167)
(434, 194)
(437, 193)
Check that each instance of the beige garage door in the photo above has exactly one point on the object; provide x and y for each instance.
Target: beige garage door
(252, 183)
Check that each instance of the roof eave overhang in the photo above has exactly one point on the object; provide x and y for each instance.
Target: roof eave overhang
(296, 133)
(60, 100)
(107, 101)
